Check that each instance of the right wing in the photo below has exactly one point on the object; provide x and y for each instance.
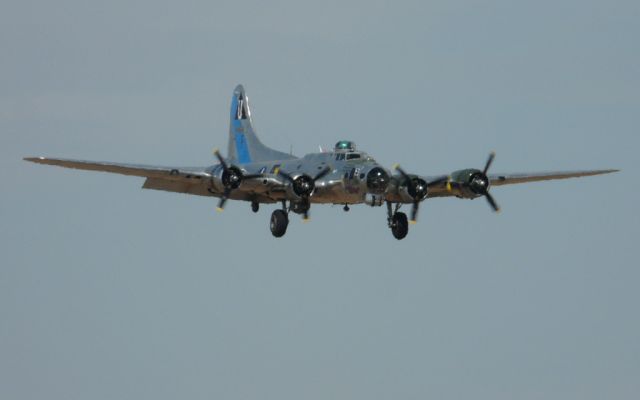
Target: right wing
(453, 189)
(510, 179)
(173, 179)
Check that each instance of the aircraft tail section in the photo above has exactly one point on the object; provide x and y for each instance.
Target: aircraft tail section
(244, 145)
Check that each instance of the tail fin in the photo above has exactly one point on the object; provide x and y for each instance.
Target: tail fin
(244, 145)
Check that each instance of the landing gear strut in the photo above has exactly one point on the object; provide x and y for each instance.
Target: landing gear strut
(397, 221)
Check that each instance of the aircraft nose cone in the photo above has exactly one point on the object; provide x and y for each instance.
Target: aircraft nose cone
(377, 180)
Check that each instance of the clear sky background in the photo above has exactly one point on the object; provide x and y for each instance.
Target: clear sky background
(111, 292)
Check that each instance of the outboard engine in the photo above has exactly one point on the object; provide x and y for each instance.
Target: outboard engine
(228, 178)
(472, 183)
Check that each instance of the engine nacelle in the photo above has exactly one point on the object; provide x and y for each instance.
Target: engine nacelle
(370, 179)
(377, 180)
(216, 179)
(299, 186)
(470, 183)
(226, 180)
(418, 191)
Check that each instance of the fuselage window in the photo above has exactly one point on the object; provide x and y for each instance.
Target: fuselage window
(353, 156)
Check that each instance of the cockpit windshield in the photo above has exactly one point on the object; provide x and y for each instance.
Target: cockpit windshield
(354, 156)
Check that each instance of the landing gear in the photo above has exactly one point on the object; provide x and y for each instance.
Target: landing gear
(255, 206)
(279, 223)
(399, 225)
(346, 208)
(397, 221)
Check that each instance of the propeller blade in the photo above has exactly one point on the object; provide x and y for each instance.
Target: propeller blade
(225, 167)
(489, 161)
(223, 199)
(407, 179)
(492, 202)
(403, 173)
(220, 207)
(414, 212)
(285, 176)
(322, 173)
(305, 216)
(438, 181)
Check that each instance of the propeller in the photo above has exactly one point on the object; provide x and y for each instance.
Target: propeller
(304, 185)
(418, 189)
(232, 177)
(479, 183)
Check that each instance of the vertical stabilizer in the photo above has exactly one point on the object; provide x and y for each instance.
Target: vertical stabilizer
(244, 145)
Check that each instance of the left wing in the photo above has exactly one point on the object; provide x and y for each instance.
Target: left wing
(174, 179)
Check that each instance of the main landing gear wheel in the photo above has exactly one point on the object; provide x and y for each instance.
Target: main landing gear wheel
(279, 223)
(255, 206)
(399, 225)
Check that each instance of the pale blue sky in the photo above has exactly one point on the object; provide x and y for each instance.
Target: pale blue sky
(108, 291)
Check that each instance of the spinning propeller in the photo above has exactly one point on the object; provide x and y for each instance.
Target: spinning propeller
(418, 189)
(479, 183)
(304, 185)
(232, 177)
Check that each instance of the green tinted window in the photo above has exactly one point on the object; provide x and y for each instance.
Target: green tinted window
(345, 145)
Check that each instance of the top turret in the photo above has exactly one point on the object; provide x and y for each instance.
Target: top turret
(345, 146)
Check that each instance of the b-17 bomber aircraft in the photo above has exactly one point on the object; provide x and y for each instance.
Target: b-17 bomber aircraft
(345, 176)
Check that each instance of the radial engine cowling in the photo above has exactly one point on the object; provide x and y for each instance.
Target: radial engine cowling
(303, 185)
(471, 182)
(228, 179)
(416, 192)
(377, 180)
(479, 183)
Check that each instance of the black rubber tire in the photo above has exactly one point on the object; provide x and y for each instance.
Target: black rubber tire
(255, 207)
(279, 223)
(400, 225)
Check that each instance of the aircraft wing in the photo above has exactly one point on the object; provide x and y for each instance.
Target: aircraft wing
(441, 190)
(173, 179)
(511, 179)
